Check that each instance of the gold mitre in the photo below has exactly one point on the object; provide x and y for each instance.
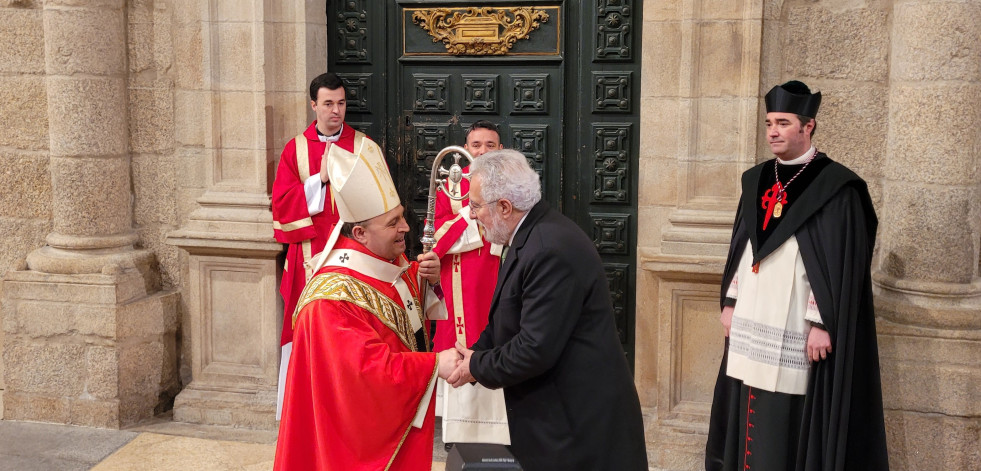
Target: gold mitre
(360, 183)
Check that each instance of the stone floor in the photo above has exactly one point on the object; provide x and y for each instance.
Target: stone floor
(159, 445)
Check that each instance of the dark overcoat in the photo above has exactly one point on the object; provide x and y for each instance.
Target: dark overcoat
(551, 343)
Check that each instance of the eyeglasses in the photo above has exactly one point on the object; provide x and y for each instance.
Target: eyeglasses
(474, 207)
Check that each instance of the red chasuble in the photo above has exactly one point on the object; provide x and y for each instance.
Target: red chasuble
(467, 279)
(292, 223)
(355, 382)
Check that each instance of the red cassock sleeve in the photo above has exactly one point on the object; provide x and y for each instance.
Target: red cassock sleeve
(291, 217)
(352, 391)
(444, 215)
(446, 240)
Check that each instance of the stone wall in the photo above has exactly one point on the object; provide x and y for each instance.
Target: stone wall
(160, 178)
(25, 211)
(88, 334)
(182, 107)
(927, 284)
(241, 78)
(700, 116)
(901, 81)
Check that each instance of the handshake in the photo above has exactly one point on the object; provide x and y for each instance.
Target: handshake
(454, 365)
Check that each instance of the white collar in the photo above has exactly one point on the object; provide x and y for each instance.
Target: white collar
(798, 160)
(333, 137)
(367, 265)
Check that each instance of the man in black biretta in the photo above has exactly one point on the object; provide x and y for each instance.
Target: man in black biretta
(799, 384)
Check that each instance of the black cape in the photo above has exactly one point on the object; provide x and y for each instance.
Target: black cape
(835, 225)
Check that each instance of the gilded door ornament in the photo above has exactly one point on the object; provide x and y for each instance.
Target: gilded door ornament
(481, 31)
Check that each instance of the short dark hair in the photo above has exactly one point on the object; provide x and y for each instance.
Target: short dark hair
(327, 80)
(482, 124)
(347, 228)
(803, 122)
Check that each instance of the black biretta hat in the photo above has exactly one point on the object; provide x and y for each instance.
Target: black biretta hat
(793, 97)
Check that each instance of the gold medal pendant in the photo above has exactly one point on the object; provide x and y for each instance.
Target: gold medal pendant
(777, 209)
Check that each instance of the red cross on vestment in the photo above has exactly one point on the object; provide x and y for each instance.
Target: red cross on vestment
(774, 198)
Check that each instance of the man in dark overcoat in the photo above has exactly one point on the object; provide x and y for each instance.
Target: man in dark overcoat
(551, 340)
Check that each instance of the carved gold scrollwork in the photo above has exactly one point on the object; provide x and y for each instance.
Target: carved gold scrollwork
(479, 31)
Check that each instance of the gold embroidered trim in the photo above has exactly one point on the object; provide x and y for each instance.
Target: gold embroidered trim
(307, 249)
(340, 287)
(459, 314)
(302, 157)
(456, 205)
(292, 226)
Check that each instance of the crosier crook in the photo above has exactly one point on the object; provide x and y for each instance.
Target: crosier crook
(453, 176)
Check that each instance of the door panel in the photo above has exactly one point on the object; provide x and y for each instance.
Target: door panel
(437, 113)
(561, 82)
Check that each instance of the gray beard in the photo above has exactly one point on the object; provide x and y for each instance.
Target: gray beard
(497, 232)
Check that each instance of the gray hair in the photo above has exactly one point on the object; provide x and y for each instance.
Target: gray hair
(505, 174)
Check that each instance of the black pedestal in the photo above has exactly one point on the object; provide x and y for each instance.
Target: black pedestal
(482, 456)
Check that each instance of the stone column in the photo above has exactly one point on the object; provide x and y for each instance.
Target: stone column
(928, 293)
(242, 84)
(89, 338)
(85, 62)
(700, 115)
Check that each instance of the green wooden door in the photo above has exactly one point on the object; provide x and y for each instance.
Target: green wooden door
(560, 78)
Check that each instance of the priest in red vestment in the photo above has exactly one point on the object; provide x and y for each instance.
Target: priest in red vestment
(360, 386)
(468, 275)
(302, 207)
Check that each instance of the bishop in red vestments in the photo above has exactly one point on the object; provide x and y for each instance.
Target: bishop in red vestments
(360, 386)
(357, 379)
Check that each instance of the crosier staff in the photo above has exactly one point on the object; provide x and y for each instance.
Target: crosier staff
(439, 179)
